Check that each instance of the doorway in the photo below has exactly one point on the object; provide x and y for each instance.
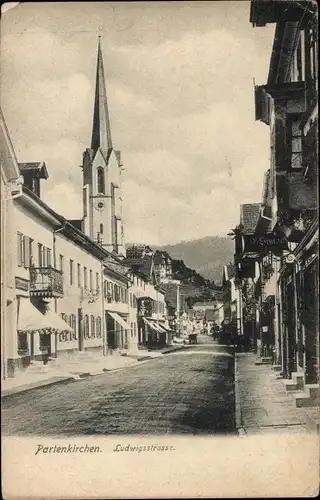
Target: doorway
(111, 334)
(80, 330)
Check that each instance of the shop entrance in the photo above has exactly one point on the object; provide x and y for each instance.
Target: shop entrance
(111, 334)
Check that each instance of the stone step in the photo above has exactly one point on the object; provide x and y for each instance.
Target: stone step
(298, 379)
(304, 400)
(313, 423)
(277, 368)
(290, 385)
(314, 391)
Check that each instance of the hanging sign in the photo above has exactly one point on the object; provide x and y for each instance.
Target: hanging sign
(263, 244)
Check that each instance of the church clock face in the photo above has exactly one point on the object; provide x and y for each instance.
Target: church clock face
(100, 205)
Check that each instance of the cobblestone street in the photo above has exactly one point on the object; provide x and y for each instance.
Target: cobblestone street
(188, 391)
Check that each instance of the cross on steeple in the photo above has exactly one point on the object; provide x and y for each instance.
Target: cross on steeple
(101, 131)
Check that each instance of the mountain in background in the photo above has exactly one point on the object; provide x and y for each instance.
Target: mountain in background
(206, 255)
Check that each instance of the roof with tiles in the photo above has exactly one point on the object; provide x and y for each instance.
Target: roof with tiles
(249, 217)
(117, 267)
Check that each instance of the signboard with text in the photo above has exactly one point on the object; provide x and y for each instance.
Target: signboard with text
(263, 244)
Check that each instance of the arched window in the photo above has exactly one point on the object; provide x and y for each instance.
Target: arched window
(100, 180)
(101, 228)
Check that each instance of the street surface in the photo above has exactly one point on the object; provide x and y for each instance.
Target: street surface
(190, 391)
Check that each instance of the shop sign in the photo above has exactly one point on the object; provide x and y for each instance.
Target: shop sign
(263, 244)
(21, 284)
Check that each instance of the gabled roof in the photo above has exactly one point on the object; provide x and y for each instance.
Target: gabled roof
(160, 256)
(249, 214)
(113, 265)
(34, 166)
(142, 265)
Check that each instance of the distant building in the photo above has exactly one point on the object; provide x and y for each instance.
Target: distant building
(162, 265)
(232, 306)
(138, 252)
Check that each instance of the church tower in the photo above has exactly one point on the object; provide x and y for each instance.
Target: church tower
(102, 168)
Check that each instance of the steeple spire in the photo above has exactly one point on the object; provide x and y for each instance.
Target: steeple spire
(101, 132)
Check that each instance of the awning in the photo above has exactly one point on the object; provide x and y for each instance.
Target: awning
(152, 325)
(56, 322)
(30, 319)
(161, 328)
(119, 320)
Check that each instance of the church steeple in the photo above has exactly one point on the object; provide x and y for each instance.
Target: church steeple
(101, 132)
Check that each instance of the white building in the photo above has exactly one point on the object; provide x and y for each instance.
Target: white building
(10, 188)
(65, 288)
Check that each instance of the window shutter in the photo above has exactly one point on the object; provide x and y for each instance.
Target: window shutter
(281, 146)
(26, 251)
(19, 248)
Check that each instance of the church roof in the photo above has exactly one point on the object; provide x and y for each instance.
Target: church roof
(101, 131)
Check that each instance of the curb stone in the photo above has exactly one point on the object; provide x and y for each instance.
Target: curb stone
(240, 429)
(37, 385)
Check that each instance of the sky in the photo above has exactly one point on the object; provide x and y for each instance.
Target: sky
(179, 79)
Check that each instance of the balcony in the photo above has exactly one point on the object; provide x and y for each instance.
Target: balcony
(46, 282)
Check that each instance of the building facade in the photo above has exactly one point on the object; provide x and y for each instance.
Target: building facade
(283, 241)
(11, 188)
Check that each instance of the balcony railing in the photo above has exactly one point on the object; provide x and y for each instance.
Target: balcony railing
(46, 282)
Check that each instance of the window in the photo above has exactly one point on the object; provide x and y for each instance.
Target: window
(97, 282)
(134, 329)
(131, 301)
(61, 265)
(40, 255)
(131, 333)
(86, 326)
(93, 326)
(101, 228)
(73, 324)
(71, 272)
(90, 280)
(85, 201)
(23, 343)
(296, 144)
(48, 250)
(79, 275)
(100, 180)
(21, 252)
(30, 262)
(85, 278)
(98, 327)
